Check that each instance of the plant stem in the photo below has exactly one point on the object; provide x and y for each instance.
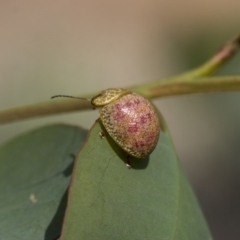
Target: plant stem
(218, 59)
(187, 83)
(202, 85)
(42, 109)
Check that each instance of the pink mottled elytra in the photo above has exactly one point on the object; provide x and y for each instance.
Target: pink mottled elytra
(129, 119)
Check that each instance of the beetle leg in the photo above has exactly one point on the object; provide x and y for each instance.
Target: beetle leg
(98, 120)
(128, 162)
(102, 134)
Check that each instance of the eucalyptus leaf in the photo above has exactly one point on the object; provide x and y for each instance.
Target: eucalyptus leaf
(35, 171)
(152, 200)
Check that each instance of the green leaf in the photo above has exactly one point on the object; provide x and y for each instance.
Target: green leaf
(35, 171)
(153, 200)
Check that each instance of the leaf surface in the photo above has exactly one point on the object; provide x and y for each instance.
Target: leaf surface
(152, 200)
(35, 170)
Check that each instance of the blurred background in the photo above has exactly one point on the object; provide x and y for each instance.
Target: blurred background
(77, 47)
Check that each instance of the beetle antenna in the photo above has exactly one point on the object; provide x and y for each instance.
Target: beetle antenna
(68, 96)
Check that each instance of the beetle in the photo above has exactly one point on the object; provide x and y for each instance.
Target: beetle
(129, 118)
